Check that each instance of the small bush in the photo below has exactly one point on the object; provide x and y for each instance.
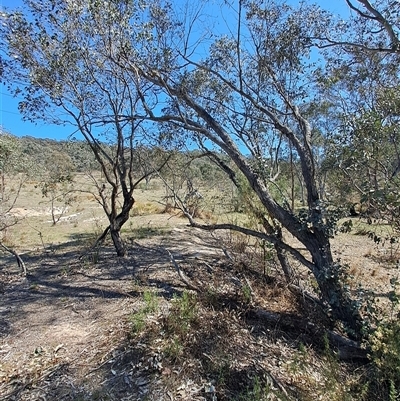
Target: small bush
(138, 319)
(146, 208)
(151, 302)
(385, 353)
(174, 349)
(256, 392)
(383, 341)
(182, 314)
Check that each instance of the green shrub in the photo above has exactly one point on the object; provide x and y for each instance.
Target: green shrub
(138, 319)
(385, 352)
(383, 341)
(182, 314)
(151, 302)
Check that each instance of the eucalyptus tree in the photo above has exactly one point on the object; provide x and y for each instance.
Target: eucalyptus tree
(242, 93)
(372, 26)
(56, 56)
(360, 81)
(57, 184)
(14, 169)
(364, 146)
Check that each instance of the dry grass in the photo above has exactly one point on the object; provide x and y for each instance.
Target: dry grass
(130, 329)
(174, 343)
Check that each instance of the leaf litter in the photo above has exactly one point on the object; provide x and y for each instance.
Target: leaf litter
(66, 330)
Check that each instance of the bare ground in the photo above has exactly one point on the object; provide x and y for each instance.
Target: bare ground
(66, 329)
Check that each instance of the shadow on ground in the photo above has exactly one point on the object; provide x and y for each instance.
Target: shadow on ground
(226, 349)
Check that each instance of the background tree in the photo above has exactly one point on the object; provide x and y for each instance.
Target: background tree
(14, 169)
(360, 82)
(57, 184)
(373, 26)
(58, 60)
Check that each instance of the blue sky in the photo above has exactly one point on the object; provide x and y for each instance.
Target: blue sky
(11, 120)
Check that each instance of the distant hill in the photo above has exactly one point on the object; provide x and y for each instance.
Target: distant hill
(45, 155)
(44, 151)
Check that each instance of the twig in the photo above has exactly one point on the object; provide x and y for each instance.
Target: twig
(228, 255)
(249, 286)
(46, 373)
(98, 242)
(99, 367)
(40, 235)
(273, 379)
(299, 290)
(181, 274)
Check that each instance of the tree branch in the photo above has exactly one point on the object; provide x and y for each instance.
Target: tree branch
(376, 15)
(269, 238)
(20, 262)
(99, 241)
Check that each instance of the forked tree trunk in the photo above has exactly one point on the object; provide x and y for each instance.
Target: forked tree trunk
(116, 224)
(115, 232)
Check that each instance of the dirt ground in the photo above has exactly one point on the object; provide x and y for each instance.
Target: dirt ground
(66, 328)
(62, 326)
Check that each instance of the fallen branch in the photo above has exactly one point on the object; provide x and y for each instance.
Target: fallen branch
(98, 242)
(20, 262)
(181, 274)
(346, 349)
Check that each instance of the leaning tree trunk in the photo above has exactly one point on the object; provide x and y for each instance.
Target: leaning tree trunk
(285, 264)
(328, 275)
(315, 239)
